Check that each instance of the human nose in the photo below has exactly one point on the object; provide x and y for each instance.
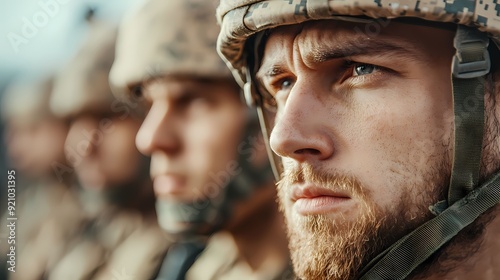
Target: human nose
(157, 132)
(299, 132)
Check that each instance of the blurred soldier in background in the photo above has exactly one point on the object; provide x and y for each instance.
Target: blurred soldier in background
(209, 165)
(115, 234)
(34, 136)
(34, 140)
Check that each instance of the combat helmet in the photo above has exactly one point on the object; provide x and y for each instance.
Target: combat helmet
(162, 38)
(477, 34)
(177, 38)
(82, 85)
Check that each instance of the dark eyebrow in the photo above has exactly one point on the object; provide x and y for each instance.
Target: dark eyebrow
(361, 46)
(273, 71)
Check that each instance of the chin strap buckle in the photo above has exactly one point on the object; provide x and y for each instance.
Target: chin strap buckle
(472, 58)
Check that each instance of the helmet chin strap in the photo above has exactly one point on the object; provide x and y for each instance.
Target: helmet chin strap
(404, 256)
(466, 202)
(470, 64)
(254, 99)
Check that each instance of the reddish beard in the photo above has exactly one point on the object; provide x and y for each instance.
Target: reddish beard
(337, 248)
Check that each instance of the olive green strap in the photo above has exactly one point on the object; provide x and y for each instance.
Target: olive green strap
(468, 136)
(470, 64)
(408, 253)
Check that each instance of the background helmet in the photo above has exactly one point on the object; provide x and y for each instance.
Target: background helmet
(164, 38)
(83, 84)
(178, 38)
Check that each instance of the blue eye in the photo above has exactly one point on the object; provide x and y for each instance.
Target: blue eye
(364, 69)
(286, 83)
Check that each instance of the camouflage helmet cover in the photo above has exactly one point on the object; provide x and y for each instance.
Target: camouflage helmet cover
(240, 19)
(83, 84)
(161, 38)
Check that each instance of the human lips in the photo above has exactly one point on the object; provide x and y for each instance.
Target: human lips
(169, 185)
(310, 200)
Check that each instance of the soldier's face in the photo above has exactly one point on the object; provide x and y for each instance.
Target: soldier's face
(363, 127)
(102, 151)
(192, 131)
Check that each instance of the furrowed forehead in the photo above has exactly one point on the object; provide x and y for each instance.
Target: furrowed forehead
(320, 41)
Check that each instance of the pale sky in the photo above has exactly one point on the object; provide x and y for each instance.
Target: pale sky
(36, 36)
